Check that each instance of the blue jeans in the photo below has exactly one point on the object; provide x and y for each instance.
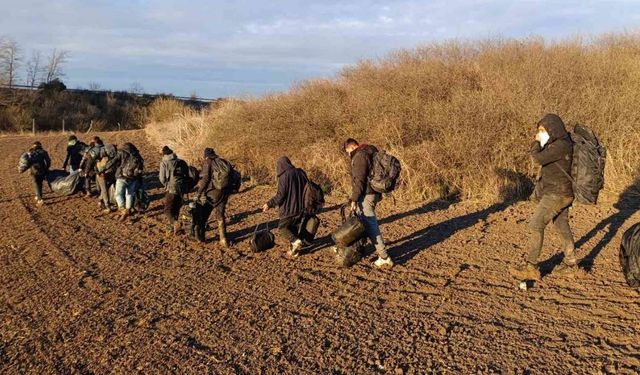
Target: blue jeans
(367, 211)
(125, 192)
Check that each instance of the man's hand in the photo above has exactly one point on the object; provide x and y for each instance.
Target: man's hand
(265, 208)
(354, 206)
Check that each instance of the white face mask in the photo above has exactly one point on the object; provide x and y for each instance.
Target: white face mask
(544, 138)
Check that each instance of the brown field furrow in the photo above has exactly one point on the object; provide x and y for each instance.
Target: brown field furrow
(82, 292)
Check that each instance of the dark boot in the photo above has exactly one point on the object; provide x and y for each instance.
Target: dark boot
(526, 271)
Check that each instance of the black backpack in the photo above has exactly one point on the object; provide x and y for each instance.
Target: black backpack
(587, 170)
(313, 198)
(181, 175)
(385, 170)
(133, 166)
(235, 180)
(630, 255)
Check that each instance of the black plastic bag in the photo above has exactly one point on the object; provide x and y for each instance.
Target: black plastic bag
(351, 230)
(262, 240)
(64, 185)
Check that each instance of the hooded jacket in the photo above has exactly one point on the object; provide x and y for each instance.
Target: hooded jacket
(128, 151)
(167, 166)
(290, 195)
(555, 158)
(361, 159)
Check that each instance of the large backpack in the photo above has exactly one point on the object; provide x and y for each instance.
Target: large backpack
(220, 173)
(194, 178)
(181, 175)
(313, 198)
(630, 255)
(133, 166)
(385, 170)
(235, 181)
(24, 163)
(587, 170)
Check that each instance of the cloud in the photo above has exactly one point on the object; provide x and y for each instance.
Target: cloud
(232, 48)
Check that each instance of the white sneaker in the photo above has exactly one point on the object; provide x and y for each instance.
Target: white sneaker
(384, 262)
(295, 248)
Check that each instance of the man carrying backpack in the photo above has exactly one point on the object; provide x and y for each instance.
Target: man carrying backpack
(553, 151)
(106, 178)
(88, 163)
(173, 172)
(364, 199)
(75, 150)
(39, 168)
(213, 192)
(290, 201)
(128, 165)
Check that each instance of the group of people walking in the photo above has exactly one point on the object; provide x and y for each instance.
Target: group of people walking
(213, 184)
(217, 180)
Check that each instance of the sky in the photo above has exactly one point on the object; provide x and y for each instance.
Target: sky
(256, 47)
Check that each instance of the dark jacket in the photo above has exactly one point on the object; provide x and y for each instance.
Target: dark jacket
(555, 158)
(167, 166)
(74, 155)
(205, 185)
(290, 195)
(40, 162)
(127, 151)
(361, 159)
(89, 160)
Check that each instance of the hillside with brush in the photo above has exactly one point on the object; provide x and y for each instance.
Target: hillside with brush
(459, 115)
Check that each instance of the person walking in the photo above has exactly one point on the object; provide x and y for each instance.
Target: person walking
(364, 199)
(173, 172)
(553, 151)
(290, 202)
(40, 162)
(212, 196)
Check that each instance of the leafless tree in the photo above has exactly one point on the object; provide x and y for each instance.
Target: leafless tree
(34, 69)
(55, 63)
(9, 60)
(136, 88)
(94, 86)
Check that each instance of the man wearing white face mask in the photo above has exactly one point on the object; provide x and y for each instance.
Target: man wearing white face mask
(553, 150)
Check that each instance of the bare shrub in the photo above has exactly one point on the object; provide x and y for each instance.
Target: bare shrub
(459, 115)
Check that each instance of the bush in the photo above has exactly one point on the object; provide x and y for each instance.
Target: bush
(460, 116)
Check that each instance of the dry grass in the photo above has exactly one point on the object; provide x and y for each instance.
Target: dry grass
(460, 116)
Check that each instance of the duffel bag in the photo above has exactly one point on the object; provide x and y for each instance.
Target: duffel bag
(351, 230)
(262, 240)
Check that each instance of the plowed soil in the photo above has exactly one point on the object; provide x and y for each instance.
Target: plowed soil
(81, 292)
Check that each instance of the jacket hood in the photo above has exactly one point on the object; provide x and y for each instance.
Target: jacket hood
(554, 125)
(283, 165)
(170, 157)
(209, 153)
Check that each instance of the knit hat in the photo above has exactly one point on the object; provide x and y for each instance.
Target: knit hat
(166, 150)
(209, 153)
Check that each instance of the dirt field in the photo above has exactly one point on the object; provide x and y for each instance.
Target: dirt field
(82, 293)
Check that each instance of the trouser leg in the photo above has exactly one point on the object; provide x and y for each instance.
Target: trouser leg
(550, 208)
(202, 219)
(286, 227)
(168, 209)
(104, 190)
(367, 207)
(120, 192)
(561, 223)
(37, 186)
(130, 191)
